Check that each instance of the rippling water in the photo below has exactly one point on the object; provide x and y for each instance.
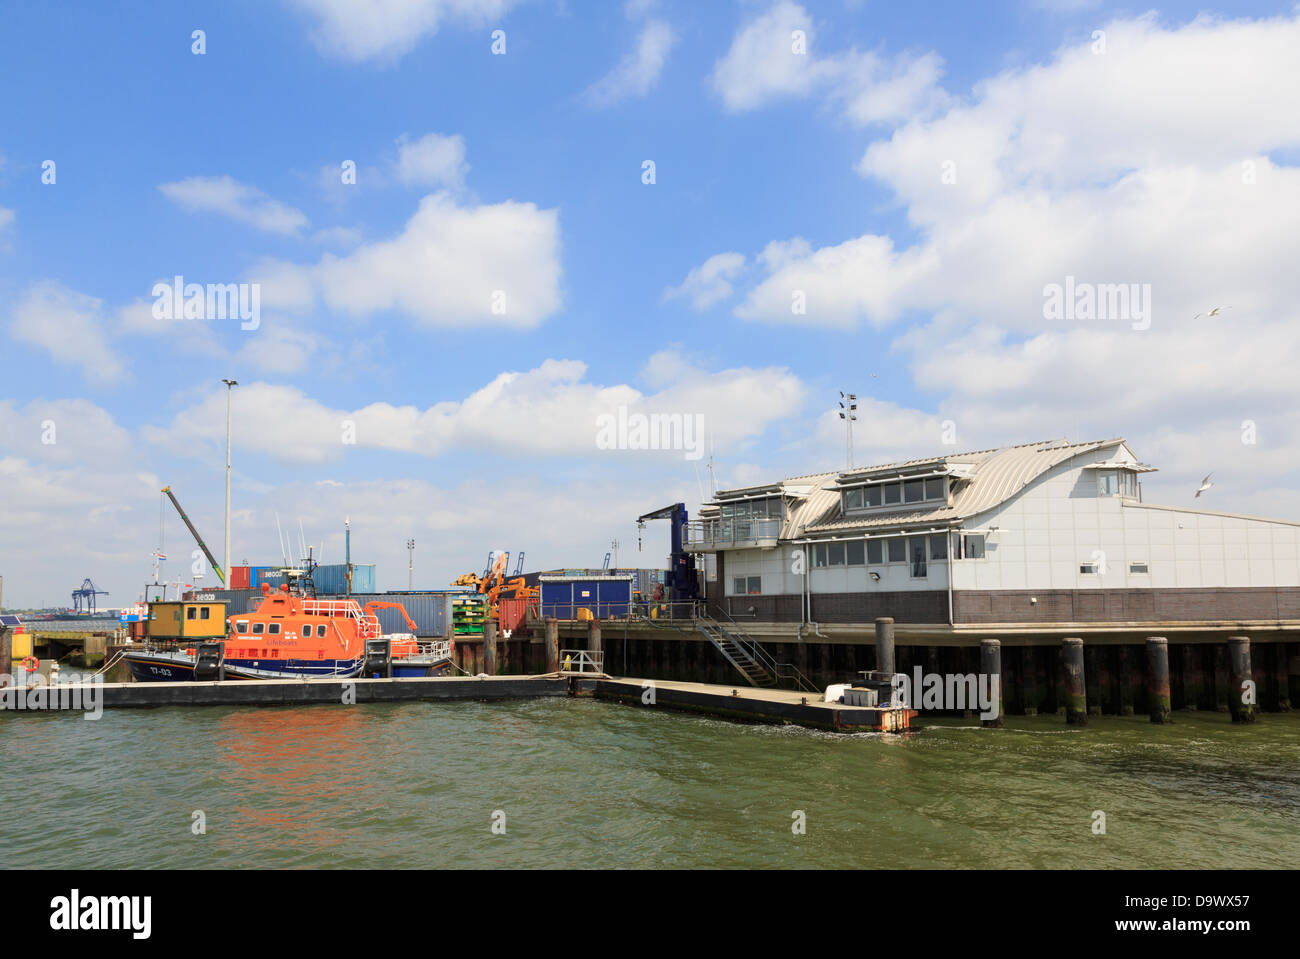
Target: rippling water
(584, 783)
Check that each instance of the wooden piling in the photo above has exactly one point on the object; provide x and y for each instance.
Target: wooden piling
(6, 654)
(991, 666)
(552, 645)
(885, 644)
(1242, 681)
(1029, 680)
(490, 647)
(1076, 697)
(1158, 678)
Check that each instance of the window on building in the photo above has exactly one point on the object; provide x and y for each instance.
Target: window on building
(1138, 568)
(191, 613)
(875, 552)
(1108, 483)
(259, 629)
(1128, 483)
(835, 554)
(274, 629)
(914, 491)
(819, 556)
(739, 585)
(1087, 568)
(897, 550)
(893, 493)
(856, 552)
(853, 498)
(918, 547)
(205, 613)
(973, 546)
(754, 585)
(241, 626)
(934, 488)
(871, 495)
(939, 546)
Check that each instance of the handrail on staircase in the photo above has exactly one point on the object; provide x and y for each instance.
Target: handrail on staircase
(756, 652)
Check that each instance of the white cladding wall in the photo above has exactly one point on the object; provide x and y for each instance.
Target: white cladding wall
(1058, 523)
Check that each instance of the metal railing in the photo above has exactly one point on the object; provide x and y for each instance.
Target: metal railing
(714, 533)
(582, 662)
(756, 653)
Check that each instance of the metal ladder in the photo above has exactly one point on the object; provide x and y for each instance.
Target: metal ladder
(750, 659)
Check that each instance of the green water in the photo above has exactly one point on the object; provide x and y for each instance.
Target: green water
(586, 784)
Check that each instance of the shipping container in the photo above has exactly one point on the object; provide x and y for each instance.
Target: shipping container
(512, 614)
(603, 597)
(239, 577)
(430, 611)
(333, 579)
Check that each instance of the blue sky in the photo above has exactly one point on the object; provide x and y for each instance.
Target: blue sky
(524, 170)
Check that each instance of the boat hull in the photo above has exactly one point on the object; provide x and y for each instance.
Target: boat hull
(179, 667)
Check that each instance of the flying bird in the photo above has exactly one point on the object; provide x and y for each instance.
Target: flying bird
(1205, 484)
(1214, 312)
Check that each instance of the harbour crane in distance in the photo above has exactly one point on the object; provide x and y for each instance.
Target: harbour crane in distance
(216, 567)
(85, 597)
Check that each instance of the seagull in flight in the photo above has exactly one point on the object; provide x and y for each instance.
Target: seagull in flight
(1214, 312)
(1205, 484)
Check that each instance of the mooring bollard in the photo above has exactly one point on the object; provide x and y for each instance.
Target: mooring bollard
(991, 666)
(1241, 690)
(490, 647)
(552, 645)
(1158, 678)
(1076, 696)
(885, 644)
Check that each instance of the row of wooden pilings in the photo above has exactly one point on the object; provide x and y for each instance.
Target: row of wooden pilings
(1241, 704)
(491, 637)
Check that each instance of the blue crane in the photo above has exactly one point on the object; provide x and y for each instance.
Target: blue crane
(83, 599)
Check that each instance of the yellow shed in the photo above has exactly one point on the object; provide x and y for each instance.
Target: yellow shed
(184, 620)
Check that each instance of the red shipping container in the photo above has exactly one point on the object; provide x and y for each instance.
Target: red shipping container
(512, 614)
(239, 578)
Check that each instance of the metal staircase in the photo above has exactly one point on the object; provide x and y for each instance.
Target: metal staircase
(750, 659)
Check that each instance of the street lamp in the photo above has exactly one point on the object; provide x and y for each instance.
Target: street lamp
(229, 384)
(849, 413)
(410, 565)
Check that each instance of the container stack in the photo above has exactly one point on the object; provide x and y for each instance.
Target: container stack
(469, 613)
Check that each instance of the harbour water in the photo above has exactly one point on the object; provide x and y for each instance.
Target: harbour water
(589, 784)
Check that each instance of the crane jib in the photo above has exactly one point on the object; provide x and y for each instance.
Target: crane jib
(216, 567)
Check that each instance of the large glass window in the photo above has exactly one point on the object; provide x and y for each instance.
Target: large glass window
(914, 491)
(835, 554)
(897, 550)
(939, 546)
(856, 552)
(875, 552)
(934, 488)
(872, 495)
(819, 556)
(973, 546)
(1108, 482)
(754, 586)
(853, 498)
(739, 586)
(918, 547)
(893, 493)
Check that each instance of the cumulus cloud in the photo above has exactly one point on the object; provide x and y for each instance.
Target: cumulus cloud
(638, 71)
(772, 58)
(552, 411)
(230, 198)
(71, 327)
(389, 29)
(452, 265)
(433, 160)
(710, 282)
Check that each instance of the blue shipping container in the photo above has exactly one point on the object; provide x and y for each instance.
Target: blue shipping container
(430, 611)
(606, 597)
(333, 578)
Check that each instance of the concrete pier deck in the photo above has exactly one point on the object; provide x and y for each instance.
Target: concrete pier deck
(290, 692)
(754, 704)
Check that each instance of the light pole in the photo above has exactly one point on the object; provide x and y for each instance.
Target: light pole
(849, 413)
(410, 565)
(229, 384)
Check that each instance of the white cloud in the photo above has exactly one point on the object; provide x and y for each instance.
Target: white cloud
(710, 282)
(552, 411)
(6, 218)
(230, 198)
(433, 160)
(767, 61)
(451, 266)
(387, 29)
(71, 327)
(193, 336)
(638, 71)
